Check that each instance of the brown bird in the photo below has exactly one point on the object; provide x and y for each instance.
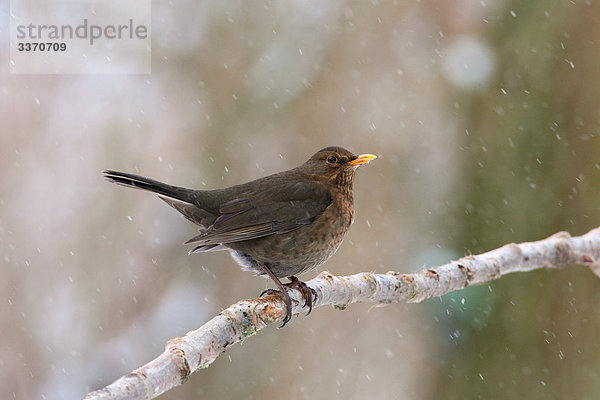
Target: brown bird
(280, 225)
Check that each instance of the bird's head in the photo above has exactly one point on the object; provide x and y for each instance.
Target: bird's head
(336, 164)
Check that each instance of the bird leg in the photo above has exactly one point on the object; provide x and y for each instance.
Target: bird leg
(306, 291)
(282, 289)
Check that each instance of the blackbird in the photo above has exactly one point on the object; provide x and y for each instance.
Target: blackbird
(280, 225)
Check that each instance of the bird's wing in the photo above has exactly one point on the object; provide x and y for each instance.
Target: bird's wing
(279, 209)
(192, 212)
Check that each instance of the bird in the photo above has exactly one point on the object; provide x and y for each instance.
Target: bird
(277, 226)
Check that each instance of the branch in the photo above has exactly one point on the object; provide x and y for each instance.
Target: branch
(199, 348)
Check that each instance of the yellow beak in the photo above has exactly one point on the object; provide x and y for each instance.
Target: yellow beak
(362, 159)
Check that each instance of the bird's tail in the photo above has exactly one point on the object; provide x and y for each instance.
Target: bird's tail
(193, 204)
(140, 182)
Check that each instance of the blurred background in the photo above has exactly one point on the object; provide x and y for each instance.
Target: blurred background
(485, 115)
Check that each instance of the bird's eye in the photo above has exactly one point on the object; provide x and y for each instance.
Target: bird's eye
(331, 159)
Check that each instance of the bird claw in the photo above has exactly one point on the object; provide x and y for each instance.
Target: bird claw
(287, 300)
(269, 292)
(306, 291)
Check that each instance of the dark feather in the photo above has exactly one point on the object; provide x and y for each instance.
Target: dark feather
(252, 218)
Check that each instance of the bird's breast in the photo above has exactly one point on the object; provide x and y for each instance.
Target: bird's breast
(302, 249)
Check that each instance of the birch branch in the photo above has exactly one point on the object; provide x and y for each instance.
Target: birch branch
(199, 348)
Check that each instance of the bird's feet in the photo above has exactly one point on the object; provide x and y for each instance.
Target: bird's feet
(286, 298)
(306, 291)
